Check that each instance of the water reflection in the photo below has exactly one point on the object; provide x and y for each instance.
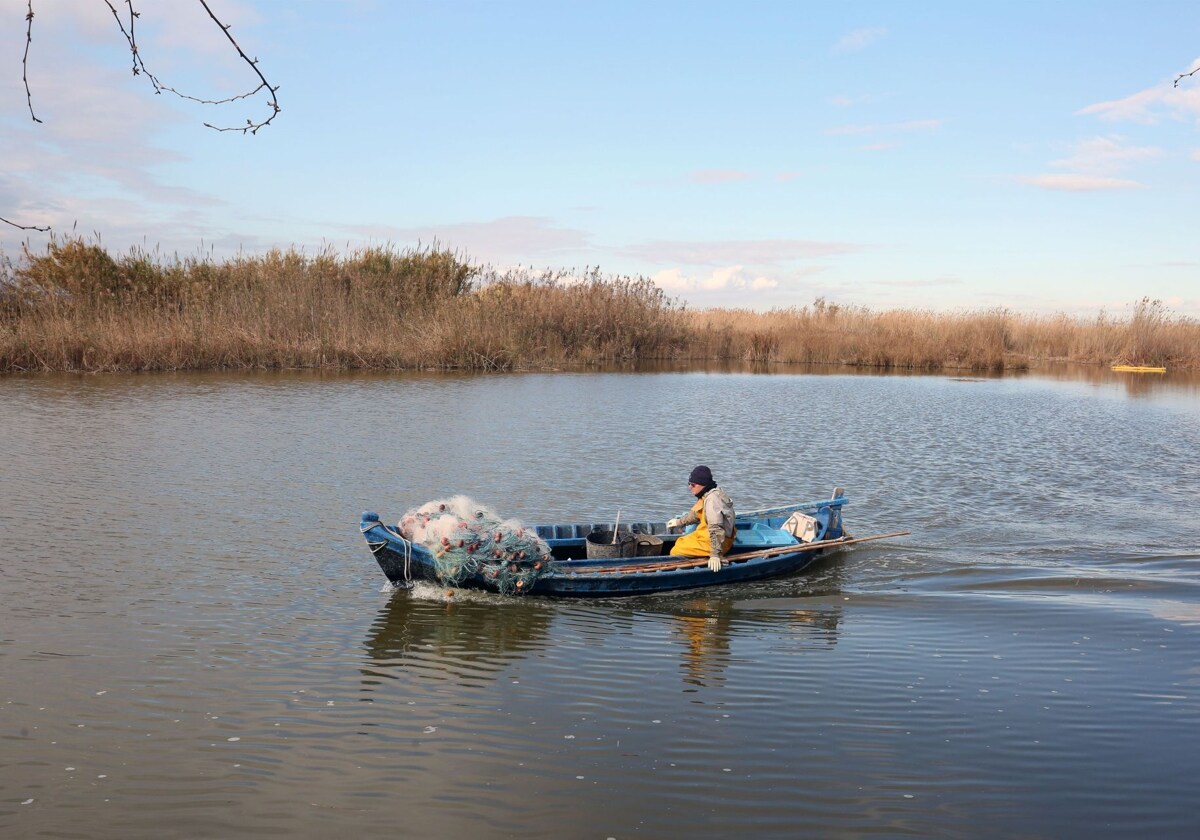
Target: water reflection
(472, 638)
(1178, 383)
(703, 627)
(78, 388)
(467, 637)
(706, 646)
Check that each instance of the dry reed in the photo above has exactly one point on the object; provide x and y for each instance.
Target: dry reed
(77, 308)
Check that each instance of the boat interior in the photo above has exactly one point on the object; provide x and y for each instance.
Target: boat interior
(648, 539)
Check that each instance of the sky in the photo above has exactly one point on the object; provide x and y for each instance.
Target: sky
(947, 156)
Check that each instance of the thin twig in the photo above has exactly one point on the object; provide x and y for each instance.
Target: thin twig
(1183, 76)
(25, 227)
(250, 126)
(25, 62)
(139, 69)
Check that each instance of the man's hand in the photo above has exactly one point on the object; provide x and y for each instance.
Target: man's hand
(674, 523)
(715, 563)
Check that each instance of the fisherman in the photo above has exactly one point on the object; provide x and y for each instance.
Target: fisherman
(713, 513)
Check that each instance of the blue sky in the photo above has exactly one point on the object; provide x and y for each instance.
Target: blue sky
(929, 155)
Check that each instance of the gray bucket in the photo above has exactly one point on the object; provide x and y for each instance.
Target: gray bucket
(600, 545)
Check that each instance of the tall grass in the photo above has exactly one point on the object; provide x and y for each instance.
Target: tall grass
(75, 307)
(987, 340)
(828, 333)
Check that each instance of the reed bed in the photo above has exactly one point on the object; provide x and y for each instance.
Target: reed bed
(78, 308)
(987, 340)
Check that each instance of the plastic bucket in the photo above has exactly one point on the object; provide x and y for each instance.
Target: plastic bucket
(600, 545)
(647, 545)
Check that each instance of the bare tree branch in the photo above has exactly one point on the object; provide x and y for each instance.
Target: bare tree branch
(1183, 76)
(139, 68)
(25, 60)
(25, 227)
(250, 126)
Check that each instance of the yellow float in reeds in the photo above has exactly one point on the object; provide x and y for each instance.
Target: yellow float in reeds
(1138, 369)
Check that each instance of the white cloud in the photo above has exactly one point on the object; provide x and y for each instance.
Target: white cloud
(926, 283)
(92, 20)
(842, 101)
(178, 42)
(93, 160)
(505, 240)
(717, 176)
(1139, 108)
(673, 280)
(1151, 105)
(887, 128)
(859, 39)
(1092, 166)
(1078, 182)
(762, 252)
(704, 176)
(1105, 155)
(723, 279)
(188, 27)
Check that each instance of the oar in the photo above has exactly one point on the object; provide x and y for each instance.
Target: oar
(616, 525)
(782, 509)
(679, 563)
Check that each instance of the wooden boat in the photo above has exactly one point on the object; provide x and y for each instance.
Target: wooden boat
(769, 543)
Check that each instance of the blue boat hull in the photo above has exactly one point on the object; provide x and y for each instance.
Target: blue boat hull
(761, 551)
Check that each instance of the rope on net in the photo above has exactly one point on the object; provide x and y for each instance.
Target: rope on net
(469, 540)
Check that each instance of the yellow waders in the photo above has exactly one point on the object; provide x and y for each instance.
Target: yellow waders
(696, 543)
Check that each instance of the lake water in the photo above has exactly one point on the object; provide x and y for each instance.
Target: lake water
(196, 642)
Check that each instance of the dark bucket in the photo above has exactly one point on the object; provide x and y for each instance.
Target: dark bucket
(600, 545)
(647, 545)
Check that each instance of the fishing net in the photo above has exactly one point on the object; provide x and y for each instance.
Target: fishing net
(468, 539)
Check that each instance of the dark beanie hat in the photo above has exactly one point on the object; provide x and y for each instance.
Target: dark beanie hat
(701, 475)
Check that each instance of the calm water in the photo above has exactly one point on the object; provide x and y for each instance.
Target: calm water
(195, 641)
